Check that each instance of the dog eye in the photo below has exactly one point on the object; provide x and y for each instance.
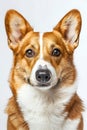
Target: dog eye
(30, 53)
(56, 52)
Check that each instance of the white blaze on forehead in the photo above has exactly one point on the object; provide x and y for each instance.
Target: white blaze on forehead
(41, 45)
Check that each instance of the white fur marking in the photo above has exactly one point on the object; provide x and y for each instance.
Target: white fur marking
(71, 124)
(54, 77)
(41, 45)
(43, 110)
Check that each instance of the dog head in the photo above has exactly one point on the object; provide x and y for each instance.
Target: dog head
(42, 60)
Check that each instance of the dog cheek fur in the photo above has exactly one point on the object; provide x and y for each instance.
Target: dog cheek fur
(68, 72)
(20, 72)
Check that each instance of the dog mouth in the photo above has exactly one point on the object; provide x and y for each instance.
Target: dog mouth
(45, 85)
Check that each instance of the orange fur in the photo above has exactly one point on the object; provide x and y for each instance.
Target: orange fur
(64, 62)
(74, 107)
(15, 118)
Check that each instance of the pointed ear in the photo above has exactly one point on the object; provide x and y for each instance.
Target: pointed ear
(16, 27)
(70, 26)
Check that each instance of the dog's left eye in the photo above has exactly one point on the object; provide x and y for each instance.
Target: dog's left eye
(56, 52)
(30, 53)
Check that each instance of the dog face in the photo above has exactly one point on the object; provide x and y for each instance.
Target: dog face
(42, 60)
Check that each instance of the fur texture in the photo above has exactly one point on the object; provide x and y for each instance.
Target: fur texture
(49, 105)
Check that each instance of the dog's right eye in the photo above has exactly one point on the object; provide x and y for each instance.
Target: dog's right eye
(30, 53)
(56, 52)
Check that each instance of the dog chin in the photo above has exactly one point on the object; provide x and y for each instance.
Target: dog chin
(45, 86)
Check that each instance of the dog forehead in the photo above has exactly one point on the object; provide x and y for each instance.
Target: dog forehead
(42, 38)
(39, 40)
(52, 38)
(31, 38)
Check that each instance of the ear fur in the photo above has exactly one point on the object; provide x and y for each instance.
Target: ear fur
(70, 26)
(16, 27)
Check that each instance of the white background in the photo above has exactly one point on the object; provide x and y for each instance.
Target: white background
(43, 15)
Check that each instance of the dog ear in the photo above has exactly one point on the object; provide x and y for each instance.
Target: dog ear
(70, 26)
(16, 28)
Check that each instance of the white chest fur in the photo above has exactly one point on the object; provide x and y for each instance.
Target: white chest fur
(41, 112)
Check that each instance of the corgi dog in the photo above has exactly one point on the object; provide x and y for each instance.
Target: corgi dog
(43, 77)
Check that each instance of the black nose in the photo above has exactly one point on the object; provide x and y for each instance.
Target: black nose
(43, 76)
